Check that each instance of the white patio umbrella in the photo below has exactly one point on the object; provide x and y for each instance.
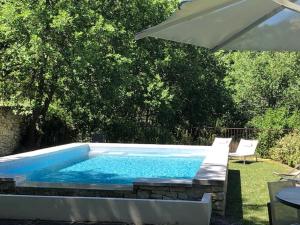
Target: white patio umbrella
(233, 25)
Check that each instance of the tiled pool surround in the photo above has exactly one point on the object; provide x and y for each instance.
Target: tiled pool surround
(210, 178)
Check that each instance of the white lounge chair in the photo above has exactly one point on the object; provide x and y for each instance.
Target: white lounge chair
(294, 174)
(246, 148)
(221, 143)
(280, 214)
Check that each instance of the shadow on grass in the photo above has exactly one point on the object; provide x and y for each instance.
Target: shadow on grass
(254, 219)
(234, 205)
(248, 162)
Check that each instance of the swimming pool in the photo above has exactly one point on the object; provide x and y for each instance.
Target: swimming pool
(134, 171)
(107, 165)
(121, 170)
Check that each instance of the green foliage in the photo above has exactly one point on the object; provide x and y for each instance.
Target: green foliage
(266, 89)
(294, 120)
(272, 119)
(270, 125)
(259, 81)
(78, 61)
(287, 150)
(273, 125)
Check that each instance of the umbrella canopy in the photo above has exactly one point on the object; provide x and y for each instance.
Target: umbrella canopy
(233, 25)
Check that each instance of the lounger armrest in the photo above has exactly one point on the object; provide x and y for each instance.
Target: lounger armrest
(283, 174)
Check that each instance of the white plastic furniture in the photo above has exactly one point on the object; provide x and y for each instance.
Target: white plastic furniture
(95, 209)
(221, 143)
(245, 148)
(294, 174)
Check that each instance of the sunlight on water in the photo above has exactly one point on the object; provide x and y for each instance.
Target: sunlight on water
(107, 169)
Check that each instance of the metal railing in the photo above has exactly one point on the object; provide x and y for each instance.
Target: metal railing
(192, 136)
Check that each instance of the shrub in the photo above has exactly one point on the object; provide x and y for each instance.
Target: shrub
(271, 126)
(287, 149)
(294, 120)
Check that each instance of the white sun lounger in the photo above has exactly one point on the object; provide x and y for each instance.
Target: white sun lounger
(221, 143)
(246, 148)
(294, 174)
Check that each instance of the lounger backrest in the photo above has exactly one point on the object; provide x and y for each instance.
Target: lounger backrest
(221, 142)
(247, 147)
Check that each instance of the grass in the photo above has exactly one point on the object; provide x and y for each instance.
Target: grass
(247, 193)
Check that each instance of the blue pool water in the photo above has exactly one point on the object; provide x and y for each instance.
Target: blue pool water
(106, 169)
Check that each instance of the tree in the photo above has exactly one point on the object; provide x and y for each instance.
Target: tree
(260, 81)
(266, 88)
(164, 84)
(43, 44)
(78, 60)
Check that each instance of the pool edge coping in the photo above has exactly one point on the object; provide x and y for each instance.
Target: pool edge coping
(213, 170)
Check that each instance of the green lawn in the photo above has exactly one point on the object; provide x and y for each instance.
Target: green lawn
(247, 193)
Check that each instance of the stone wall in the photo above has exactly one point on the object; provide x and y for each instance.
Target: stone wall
(9, 131)
(193, 193)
